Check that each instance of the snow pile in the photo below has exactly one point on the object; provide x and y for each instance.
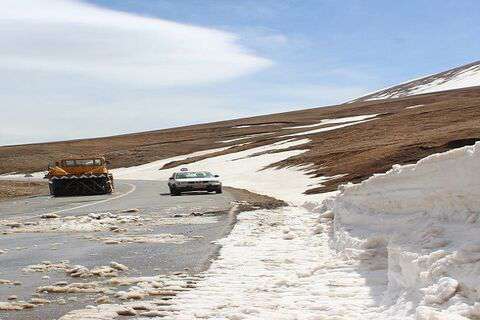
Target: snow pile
(422, 222)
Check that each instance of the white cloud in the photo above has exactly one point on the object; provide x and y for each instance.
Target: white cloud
(74, 38)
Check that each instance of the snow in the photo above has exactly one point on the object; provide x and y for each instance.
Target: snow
(274, 266)
(421, 221)
(255, 125)
(333, 121)
(401, 245)
(468, 76)
(319, 130)
(244, 169)
(415, 106)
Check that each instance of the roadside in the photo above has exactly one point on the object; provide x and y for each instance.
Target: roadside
(247, 201)
(10, 189)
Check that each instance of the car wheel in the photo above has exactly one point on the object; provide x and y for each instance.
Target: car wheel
(218, 191)
(174, 192)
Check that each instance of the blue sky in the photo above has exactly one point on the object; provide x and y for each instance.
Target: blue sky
(270, 56)
(344, 42)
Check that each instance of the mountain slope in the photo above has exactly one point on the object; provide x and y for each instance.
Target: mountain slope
(461, 77)
(395, 131)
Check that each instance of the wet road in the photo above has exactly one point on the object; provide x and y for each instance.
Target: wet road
(162, 213)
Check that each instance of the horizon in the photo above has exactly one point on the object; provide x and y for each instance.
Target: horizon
(120, 66)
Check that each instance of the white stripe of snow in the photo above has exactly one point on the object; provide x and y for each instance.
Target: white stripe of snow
(336, 120)
(326, 129)
(415, 106)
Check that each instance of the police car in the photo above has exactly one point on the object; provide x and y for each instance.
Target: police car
(186, 180)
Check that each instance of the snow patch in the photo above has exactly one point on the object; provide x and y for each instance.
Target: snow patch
(245, 169)
(333, 121)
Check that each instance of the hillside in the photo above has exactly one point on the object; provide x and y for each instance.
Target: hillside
(461, 77)
(404, 131)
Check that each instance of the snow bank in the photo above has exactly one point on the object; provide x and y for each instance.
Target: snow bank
(421, 221)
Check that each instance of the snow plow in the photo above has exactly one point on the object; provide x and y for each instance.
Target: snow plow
(79, 177)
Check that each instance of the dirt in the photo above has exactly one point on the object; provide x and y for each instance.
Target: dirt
(400, 135)
(14, 189)
(247, 201)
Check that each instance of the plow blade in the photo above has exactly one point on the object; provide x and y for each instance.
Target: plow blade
(81, 185)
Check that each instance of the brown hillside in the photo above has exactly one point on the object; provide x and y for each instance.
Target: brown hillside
(402, 135)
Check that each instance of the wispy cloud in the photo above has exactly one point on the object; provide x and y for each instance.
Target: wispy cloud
(75, 38)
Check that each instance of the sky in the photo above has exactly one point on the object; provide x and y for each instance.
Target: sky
(75, 69)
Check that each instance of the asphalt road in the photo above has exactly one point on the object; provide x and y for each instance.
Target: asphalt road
(152, 200)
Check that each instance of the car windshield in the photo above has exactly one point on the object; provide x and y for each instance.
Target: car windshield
(191, 175)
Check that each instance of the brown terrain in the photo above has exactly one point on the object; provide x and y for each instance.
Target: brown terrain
(399, 135)
(13, 189)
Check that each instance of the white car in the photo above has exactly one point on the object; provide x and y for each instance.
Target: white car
(184, 181)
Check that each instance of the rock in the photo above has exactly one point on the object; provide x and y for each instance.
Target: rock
(39, 301)
(103, 300)
(13, 224)
(111, 241)
(7, 306)
(12, 297)
(132, 210)
(327, 215)
(49, 216)
(196, 214)
(126, 312)
(153, 313)
(288, 236)
(118, 266)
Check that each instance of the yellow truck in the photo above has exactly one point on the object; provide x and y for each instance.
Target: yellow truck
(79, 176)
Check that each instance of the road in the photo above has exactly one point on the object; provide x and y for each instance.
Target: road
(160, 214)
